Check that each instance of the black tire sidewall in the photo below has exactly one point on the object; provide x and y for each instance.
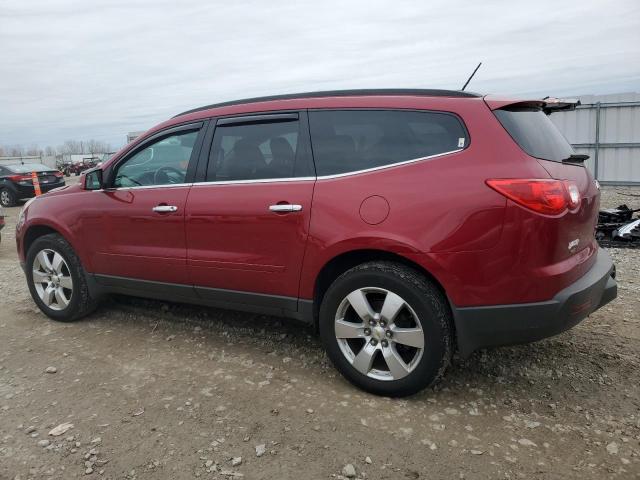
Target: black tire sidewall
(59, 245)
(430, 311)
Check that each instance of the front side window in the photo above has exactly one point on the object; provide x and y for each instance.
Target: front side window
(163, 162)
(352, 140)
(254, 151)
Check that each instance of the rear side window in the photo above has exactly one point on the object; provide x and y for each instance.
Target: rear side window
(535, 133)
(257, 151)
(351, 140)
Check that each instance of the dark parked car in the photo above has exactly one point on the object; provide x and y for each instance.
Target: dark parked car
(16, 181)
(400, 224)
(1, 221)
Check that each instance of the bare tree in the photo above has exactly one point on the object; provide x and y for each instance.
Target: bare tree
(16, 151)
(96, 146)
(71, 146)
(91, 147)
(33, 151)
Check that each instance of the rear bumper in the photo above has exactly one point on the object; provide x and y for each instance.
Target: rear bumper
(495, 325)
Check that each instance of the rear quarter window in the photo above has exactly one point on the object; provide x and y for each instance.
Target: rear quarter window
(535, 133)
(352, 140)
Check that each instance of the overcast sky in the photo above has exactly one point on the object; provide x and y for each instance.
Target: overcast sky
(98, 69)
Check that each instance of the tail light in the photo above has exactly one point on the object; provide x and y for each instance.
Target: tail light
(549, 197)
(20, 178)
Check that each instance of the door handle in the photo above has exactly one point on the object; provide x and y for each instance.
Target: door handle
(165, 208)
(285, 207)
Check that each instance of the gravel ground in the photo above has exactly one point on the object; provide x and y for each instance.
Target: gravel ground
(158, 390)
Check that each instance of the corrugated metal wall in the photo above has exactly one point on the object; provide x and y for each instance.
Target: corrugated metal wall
(613, 143)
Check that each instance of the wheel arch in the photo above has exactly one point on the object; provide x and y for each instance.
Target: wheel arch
(36, 229)
(344, 261)
(34, 232)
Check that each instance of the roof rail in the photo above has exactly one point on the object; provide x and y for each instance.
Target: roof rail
(343, 93)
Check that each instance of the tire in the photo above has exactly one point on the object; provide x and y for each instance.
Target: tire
(68, 273)
(8, 198)
(422, 314)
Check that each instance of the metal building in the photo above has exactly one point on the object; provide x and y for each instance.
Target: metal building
(607, 128)
(131, 136)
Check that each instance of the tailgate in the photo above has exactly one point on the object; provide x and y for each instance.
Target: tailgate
(578, 226)
(534, 132)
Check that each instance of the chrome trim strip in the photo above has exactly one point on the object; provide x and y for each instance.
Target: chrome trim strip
(391, 165)
(142, 187)
(288, 179)
(261, 180)
(328, 177)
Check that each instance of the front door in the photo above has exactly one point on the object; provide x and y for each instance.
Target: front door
(138, 229)
(247, 223)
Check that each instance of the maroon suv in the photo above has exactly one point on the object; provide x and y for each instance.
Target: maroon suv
(400, 223)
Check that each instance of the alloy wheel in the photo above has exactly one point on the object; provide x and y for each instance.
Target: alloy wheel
(379, 333)
(5, 198)
(52, 279)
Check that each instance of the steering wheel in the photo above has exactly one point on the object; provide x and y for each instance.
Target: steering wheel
(158, 178)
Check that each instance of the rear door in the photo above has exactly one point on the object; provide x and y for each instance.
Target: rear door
(136, 224)
(248, 219)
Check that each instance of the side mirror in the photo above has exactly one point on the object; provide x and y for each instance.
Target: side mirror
(93, 180)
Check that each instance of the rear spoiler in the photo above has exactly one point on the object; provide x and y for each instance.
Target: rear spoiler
(552, 104)
(547, 104)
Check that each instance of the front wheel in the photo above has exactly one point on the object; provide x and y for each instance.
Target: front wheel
(57, 280)
(387, 328)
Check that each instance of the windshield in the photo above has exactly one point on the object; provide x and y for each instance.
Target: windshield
(28, 168)
(535, 133)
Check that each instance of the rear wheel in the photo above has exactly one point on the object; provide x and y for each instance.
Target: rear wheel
(57, 280)
(7, 198)
(386, 328)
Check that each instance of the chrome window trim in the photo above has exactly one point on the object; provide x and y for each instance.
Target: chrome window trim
(143, 187)
(286, 179)
(259, 180)
(390, 165)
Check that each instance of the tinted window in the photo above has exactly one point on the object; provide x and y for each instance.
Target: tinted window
(254, 151)
(163, 162)
(351, 140)
(535, 133)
